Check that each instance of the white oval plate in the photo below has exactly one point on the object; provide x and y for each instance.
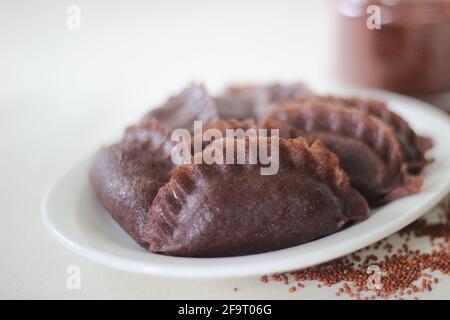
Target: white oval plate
(72, 213)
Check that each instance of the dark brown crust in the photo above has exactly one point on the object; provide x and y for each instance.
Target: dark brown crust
(180, 112)
(286, 131)
(230, 210)
(413, 146)
(127, 176)
(410, 184)
(310, 116)
(222, 126)
(254, 101)
(368, 148)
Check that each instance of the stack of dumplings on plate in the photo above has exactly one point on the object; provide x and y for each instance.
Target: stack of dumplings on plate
(337, 157)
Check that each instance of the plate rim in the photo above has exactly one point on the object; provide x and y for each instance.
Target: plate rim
(236, 269)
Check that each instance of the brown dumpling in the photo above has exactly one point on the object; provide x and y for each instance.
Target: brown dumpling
(367, 148)
(286, 131)
(244, 102)
(231, 210)
(126, 176)
(222, 126)
(180, 112)
(413, 146)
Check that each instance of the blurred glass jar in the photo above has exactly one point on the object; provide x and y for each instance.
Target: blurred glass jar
(408, 52)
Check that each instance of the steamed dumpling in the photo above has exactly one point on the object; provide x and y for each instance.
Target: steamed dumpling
(368, 149)
(231, 210)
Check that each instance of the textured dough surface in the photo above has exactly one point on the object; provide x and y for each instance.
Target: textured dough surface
(180, 111)
(367, 147)
(254, 102)
(231, 210)
(127, 176)
(412, 145)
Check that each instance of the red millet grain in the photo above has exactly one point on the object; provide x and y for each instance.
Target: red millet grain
(406, 272)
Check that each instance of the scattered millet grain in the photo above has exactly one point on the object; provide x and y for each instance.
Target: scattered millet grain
(405, 272)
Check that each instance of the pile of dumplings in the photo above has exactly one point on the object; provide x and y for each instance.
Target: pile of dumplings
(337, 158)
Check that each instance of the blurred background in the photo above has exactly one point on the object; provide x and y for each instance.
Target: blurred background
(132, 52)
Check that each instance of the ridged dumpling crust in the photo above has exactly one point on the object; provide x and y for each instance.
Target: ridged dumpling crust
(367, 147)
(230, 210)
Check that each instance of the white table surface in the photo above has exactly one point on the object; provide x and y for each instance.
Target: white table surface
(63, 93)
